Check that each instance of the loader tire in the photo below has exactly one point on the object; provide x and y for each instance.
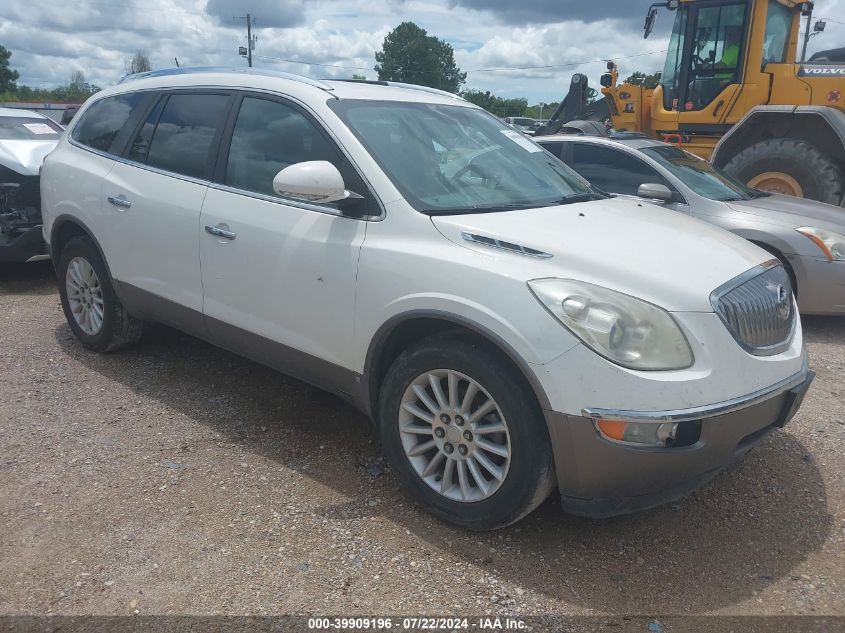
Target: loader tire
(791, 167)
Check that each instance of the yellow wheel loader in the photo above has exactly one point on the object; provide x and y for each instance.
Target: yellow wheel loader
(735, 90)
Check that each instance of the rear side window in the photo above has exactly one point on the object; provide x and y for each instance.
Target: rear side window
(185, 133)
(141, 145)
(101, 123)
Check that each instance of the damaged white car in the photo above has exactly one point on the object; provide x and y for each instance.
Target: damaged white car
(25, 139)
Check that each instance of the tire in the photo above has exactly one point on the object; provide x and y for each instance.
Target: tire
(817, 175)
(110, 326)
(527, 475)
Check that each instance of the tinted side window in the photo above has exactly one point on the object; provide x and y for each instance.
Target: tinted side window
(270, 136)
(552, 147)
(101, 123)
(141, 144)
(612, 170)
(185, 133)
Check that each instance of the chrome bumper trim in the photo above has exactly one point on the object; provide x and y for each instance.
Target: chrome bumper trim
(709, 411)
(38, 258)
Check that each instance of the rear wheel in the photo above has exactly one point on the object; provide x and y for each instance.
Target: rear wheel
(464, 432)
(91, 307)
(791, 167)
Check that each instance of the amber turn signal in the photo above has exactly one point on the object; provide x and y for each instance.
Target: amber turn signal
(614, 429)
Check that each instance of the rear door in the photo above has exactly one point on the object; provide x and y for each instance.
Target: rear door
(154, 197)
(280, 283)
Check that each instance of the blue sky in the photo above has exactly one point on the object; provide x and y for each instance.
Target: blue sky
(340, 37)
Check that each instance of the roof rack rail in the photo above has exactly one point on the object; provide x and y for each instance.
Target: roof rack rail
(262, 72)
(434, 91)
(399, 84)
(371, 82)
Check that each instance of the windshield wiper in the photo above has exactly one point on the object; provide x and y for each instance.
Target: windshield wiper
(479, 209)
(586, 196)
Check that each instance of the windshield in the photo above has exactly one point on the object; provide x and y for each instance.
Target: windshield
(699, 175)
(13, 128)
(457, 159)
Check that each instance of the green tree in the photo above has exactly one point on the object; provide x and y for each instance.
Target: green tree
(409, 54)
(496, 105)
(536, 112)
(76, 90)
(641, 79)
(8, 77)
(358, 77)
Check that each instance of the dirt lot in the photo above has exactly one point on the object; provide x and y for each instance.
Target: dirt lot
(178, 478)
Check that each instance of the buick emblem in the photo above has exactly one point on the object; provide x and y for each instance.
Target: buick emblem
(783, 302)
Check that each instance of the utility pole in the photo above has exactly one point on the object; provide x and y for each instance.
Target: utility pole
(806, 11)
(250, 42)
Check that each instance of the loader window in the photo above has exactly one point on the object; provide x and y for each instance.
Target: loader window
(671, 78)
(716, 53)
(778, 25)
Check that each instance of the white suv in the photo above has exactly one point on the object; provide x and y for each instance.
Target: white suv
(510, 329)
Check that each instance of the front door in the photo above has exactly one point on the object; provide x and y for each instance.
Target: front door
(279, 275)
(615, 170)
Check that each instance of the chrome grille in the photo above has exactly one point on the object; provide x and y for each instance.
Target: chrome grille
(758, 309)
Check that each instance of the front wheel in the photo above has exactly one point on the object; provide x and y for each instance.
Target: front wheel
(791, 167)
(465, 433)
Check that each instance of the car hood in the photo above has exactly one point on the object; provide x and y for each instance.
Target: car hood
(24, 157)
(640, 249)
(794, 212)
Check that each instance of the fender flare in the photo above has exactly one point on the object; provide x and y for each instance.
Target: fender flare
(66, 218)
(378, 341)
(734, 140)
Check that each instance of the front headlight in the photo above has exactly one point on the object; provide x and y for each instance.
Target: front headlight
(627, 331)
(831, 244)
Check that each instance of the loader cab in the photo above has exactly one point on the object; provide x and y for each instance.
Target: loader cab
(716, 44)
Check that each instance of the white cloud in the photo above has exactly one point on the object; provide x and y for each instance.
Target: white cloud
(339, 37)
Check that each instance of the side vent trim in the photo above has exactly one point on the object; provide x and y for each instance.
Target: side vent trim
(505, 246)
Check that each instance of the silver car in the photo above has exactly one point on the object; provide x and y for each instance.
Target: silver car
(807, 236)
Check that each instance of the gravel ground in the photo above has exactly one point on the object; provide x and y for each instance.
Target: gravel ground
(178, 478)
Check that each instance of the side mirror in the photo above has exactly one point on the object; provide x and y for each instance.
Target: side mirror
(650, 18)
(312, 181)
(655, 192)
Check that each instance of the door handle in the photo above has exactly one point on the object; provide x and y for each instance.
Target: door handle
(120, 201)
(220, 232)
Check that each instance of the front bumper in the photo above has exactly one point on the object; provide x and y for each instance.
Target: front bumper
(598, 477)
(26, 247)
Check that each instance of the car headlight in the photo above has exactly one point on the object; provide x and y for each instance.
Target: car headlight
(831, 244)
(625, 330)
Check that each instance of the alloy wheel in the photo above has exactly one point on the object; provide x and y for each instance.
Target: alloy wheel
(84, 295)
(454, 435)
